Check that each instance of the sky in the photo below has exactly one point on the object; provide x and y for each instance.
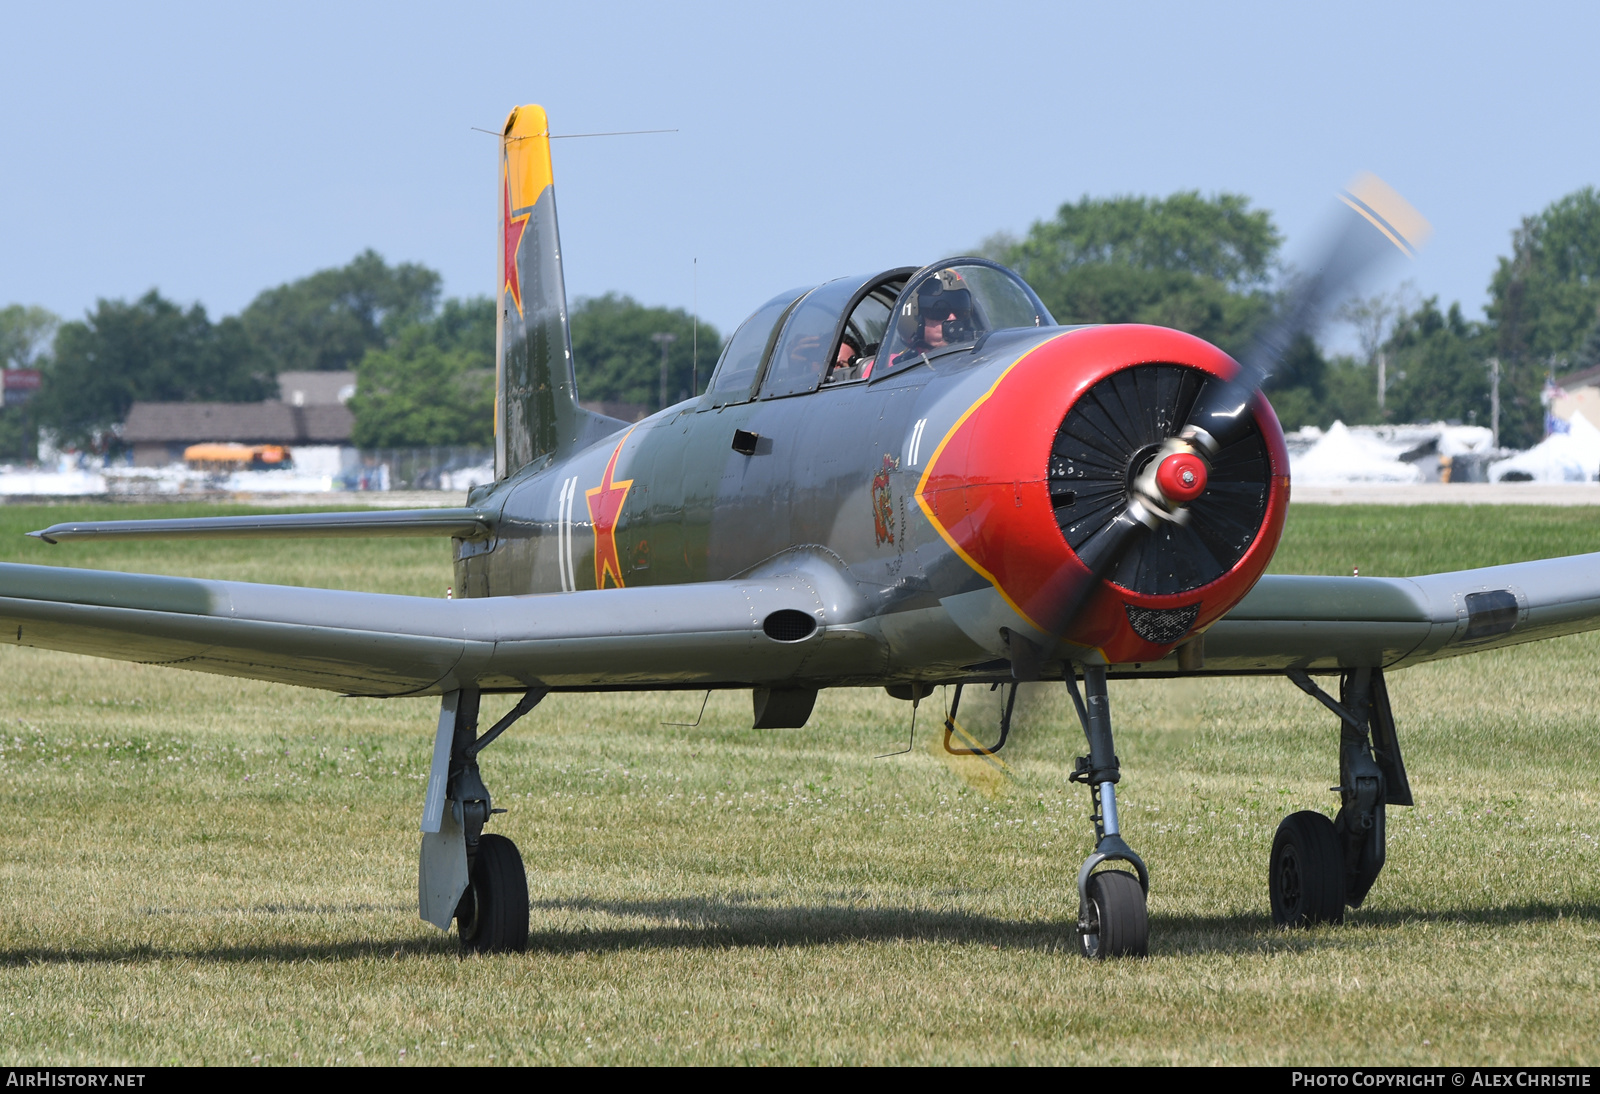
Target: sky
(215, 150)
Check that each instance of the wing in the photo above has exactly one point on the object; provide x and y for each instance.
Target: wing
(803, 622)
(785, 627)
(1347, 622)
(461, 523)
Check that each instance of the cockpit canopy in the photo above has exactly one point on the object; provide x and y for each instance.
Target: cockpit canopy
(856, 328)
(954, 303)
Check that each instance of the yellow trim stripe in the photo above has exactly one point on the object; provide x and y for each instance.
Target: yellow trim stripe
(927, 470)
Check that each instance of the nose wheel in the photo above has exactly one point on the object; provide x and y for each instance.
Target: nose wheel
(1114, 922)
(1112, 917)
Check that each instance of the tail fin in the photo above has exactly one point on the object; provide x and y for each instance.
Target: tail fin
(536, 393)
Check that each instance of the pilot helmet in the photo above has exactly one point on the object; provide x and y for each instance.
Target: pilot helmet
(943, 295)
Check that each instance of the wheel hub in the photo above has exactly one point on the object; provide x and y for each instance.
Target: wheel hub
(1289, 875)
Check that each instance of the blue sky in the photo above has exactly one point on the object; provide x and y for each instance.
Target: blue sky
(212, 150)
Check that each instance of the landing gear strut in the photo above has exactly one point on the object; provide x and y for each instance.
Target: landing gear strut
(477, 879)
(1318, 866)
(1112, 916)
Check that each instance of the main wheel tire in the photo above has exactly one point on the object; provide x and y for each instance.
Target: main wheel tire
(1118, 921)
(1306, 876)
(493, 914)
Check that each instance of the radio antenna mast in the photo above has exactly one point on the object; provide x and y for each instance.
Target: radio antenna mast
(694, 353)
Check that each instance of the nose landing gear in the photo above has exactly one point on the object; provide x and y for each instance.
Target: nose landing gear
(1112, 917)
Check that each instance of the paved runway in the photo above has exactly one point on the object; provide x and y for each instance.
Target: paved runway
(1436, 493)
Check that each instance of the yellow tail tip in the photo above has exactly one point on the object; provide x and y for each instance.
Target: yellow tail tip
(526, 121)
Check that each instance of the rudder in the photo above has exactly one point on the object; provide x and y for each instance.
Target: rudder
(536, 394)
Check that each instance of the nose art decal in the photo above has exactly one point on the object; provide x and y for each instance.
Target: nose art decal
(883, 501)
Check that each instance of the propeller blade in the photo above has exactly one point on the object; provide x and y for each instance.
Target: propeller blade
(1374, 222)
(1106, 547)
(1100, 554)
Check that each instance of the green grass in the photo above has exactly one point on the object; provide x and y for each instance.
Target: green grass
(1398, 541)
(204, 870)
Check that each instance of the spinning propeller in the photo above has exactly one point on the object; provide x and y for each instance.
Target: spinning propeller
(1134, 462)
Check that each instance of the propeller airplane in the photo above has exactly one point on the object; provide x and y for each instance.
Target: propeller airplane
(904, 479)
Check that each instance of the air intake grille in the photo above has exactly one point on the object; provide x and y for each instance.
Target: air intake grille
(1163, 626)
(788, 625)
(1105, 441)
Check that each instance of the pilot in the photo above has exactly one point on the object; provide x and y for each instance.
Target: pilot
(846, 362)
(939, 315)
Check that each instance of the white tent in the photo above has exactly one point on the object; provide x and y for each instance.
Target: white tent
(1458, 440)
(1561, 457)
(1340, 458)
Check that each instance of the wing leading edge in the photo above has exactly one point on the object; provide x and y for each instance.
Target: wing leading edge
(783, 627)
(1347, 622)
(460, 523)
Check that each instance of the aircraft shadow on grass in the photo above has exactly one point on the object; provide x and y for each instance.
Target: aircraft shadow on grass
(701, 923)
(711, 924)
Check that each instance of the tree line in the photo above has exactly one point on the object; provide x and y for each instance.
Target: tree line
(1209, 265)
(424, 366)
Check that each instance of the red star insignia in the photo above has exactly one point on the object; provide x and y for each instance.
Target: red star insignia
(605, 506)
(513, 240)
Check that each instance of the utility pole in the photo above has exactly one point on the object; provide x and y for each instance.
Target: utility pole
(663, 340)
(1494, 401)
(694, 355)
(1383, 377)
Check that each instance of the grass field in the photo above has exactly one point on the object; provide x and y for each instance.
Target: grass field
(203, 870)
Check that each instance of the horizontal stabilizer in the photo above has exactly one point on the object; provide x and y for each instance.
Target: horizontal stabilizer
(460, 523)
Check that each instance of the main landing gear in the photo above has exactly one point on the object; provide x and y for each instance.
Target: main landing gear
(492, 916)
(1318, 866)
(1112, 916)
(475, 878)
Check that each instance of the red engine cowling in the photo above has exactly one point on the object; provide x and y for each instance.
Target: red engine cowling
(1048, 455)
